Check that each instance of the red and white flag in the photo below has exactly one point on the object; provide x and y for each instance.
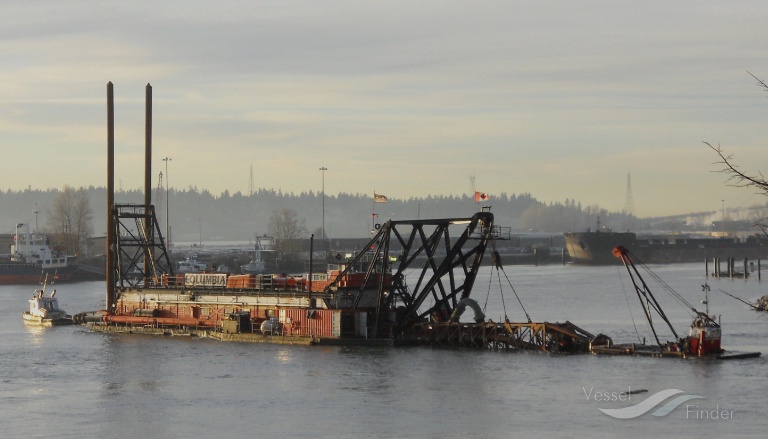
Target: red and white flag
(481, 196)
(378, 198)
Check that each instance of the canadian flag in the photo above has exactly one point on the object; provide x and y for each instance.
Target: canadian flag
(481, 196)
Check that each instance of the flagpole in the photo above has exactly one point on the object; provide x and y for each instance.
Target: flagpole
(377, 198)
(481, 196)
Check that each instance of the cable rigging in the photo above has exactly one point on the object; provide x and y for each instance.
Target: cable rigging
(496, 260)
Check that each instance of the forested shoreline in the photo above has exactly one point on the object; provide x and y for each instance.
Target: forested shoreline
(197, 214)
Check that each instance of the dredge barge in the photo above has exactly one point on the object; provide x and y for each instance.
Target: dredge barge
(370, 298)
(361, 297)
(408, 285)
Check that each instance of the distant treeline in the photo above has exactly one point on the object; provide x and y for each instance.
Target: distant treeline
(200, 215)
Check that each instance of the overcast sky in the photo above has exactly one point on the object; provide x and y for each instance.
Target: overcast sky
(561, 100)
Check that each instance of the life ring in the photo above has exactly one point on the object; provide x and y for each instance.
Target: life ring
(377, 226)
(294, 325)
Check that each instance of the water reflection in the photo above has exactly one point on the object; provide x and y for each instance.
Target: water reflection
(36, 334)
(284, 356)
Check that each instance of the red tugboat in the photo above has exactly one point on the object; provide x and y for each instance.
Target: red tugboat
(703, 339)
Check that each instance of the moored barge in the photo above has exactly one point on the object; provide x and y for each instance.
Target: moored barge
(259, 306)
(366, 297)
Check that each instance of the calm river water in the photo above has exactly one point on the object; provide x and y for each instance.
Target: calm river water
(67, 383)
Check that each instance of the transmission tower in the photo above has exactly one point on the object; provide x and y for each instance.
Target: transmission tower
(250, 183)
(629, 203)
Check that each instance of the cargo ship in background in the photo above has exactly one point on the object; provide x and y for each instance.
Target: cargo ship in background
(595, 247)
(31, 259)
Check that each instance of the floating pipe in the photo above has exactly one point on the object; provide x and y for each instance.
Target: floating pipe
(89, 317)
(170, 321)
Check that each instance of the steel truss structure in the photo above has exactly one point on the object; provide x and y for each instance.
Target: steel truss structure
(445, 268)
(140, 249)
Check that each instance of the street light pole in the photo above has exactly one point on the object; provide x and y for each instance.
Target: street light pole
(167, 202)
(323, 169)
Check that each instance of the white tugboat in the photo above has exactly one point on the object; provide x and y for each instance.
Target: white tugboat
(45, 311)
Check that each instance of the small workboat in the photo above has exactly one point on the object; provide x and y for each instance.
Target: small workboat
(44, 310)
(703, 338)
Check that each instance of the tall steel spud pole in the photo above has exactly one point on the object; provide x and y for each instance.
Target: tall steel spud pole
(111, 238)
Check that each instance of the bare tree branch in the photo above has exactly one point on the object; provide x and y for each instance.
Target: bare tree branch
(760, 82)
(71, 219)
(736, 177)
(286, 227)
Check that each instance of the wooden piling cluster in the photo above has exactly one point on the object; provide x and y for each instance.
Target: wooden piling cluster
(731, 272)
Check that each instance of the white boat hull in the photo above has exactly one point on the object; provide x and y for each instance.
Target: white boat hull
(29, 319)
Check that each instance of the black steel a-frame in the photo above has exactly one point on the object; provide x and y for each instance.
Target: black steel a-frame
(445, 268)
(140, 248)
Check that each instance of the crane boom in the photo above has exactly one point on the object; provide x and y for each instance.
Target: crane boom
(647, 299)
